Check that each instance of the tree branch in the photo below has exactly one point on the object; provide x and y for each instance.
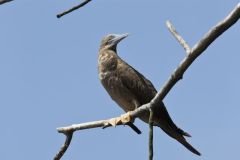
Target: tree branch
(4, 1)
(74, 8)
(178, 37)
(174, 78)
(150, 140)
(211, 35)
(65, 146)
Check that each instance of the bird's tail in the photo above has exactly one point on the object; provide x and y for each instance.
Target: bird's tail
(189, 146)
(178, 135)
(182, 132)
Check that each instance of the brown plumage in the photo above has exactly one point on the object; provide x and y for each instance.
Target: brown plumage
(130, 89)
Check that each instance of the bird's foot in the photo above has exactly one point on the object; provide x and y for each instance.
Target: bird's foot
(124, 119)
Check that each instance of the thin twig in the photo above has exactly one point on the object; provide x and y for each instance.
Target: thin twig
(174, 78)
(178, 37)
(73, 9)
(4, 1)
(150, 140)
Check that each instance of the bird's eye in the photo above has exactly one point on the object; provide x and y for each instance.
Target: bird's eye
(109, 41)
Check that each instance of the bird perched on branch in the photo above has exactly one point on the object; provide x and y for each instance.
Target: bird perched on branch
(130, 89)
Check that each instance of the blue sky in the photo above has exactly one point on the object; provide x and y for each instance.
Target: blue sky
(48, 69)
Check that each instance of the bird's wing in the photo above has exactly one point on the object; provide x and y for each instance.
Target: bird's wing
(136, 83)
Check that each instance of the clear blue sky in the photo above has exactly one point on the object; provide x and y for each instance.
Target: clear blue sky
(48, 78)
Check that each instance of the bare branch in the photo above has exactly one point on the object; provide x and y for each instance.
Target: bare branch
(87, 125)
(216, 31)
(4, 1)
(178, 37)
(150, 140)
(73, 9)
(65, 145)
(121, 120)
(196, 51)
(174, 78)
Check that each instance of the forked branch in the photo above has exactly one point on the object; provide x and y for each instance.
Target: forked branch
(199, 47)
(202, 45)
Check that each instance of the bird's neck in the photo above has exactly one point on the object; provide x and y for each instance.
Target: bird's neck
(107, 60)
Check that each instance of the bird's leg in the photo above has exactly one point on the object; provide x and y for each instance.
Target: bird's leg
(130, 124)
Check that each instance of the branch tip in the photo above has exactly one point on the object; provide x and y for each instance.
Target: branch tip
(178, 37)
(73, 8)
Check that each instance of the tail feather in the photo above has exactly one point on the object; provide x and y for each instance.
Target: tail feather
(179, 137)
(183, 132)
(189, 147)
(168, 126)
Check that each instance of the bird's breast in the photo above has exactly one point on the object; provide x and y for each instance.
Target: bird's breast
(118, 92)
(106, 63)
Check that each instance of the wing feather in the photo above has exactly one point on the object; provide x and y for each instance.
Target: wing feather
(140, 86)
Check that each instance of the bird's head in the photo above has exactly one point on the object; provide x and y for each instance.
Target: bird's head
(110, 41)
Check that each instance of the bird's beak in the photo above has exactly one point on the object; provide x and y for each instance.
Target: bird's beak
(118, 38)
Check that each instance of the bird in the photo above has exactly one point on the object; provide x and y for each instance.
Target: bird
(130, 89)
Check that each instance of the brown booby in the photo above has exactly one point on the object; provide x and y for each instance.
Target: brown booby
(130, 89)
